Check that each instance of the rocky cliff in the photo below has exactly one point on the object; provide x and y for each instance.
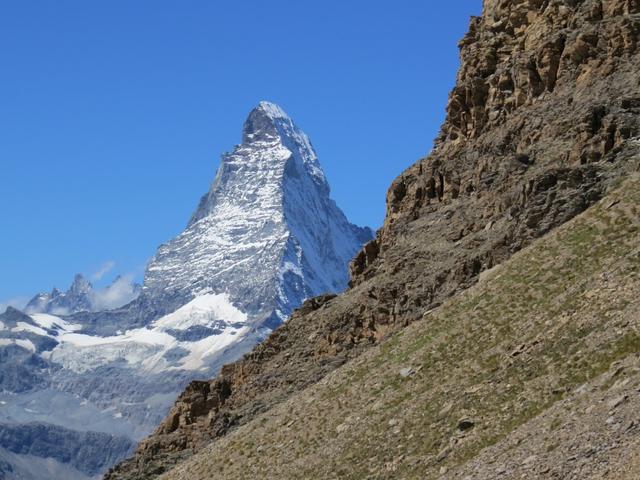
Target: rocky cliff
(532, 373)
(543, 121)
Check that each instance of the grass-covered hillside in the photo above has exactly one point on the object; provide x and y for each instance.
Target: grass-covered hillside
(502, 380)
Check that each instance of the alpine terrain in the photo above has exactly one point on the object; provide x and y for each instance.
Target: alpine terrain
(79, 387)
(82, 297)
(491, 328)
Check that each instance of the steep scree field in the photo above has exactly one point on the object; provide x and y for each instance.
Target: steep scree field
(535, 371)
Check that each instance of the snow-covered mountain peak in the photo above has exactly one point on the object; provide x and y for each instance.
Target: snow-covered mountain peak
(262, 123)
(273, 148)
(80, 285)
(265, 237)
(269, 124)
(272, 110)
(266, 224)
(83, 297)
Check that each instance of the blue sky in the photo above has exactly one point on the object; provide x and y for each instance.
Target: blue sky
(113, 115)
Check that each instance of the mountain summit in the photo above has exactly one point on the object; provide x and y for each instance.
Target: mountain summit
(76, 299)
(266, 234)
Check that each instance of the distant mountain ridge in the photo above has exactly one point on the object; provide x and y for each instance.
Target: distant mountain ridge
(82, 297)
(266, 230)
(263, 239)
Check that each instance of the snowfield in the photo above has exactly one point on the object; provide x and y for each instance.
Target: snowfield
(146, 346)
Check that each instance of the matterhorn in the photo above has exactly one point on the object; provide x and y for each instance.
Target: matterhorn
(264, 238)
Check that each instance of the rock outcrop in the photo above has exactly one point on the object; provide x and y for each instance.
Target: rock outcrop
(532, 373)
(543, 121)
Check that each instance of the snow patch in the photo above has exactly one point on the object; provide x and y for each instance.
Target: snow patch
(203, 310)
(26, 327)
(51, 322)
(206, 347)
(26, 344)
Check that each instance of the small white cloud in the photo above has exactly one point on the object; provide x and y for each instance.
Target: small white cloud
(16, 302)
(119, 293)
(103, 270)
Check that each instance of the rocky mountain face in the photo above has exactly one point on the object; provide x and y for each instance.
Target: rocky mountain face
(76, 299)
(263, 239)
(531, 373)
(82, 451)
(542, 123)
(82, 297)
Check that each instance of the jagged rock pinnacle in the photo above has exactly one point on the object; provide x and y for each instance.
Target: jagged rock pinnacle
(268, 202)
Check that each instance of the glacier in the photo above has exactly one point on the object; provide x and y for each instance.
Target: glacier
(265, 237)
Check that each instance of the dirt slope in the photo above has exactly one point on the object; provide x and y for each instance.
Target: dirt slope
(532, 373)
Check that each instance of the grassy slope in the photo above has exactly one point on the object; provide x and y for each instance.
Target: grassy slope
(555, 316)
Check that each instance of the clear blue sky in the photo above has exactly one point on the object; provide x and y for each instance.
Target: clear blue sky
(113, 114)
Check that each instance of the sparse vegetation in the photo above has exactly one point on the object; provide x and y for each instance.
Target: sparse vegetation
(552, 318)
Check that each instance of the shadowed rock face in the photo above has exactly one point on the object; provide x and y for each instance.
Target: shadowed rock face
(40, 450)
(543, 121)
(88, 452)
(76, 299)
